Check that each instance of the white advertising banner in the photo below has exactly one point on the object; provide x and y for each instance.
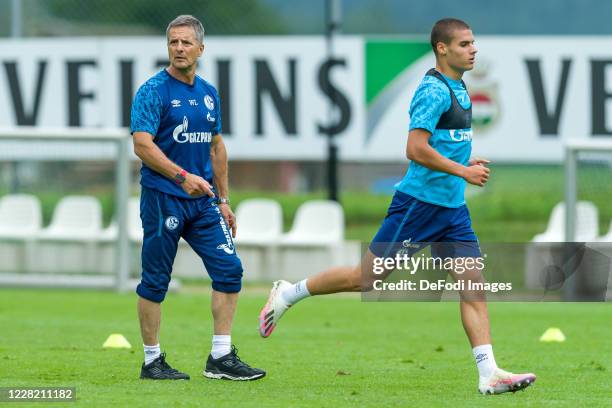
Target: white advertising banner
(281, 96)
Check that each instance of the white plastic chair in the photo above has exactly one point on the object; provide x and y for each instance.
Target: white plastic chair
(134, 222)
(20, 216)
(135, 232)
(260, 225)
(75, 217)
(539, 253)
(106, 247)
(260, 221)
(607, 237)
(20, 222)
(69, 244)
(317, 222)
(587, 227)
(315, 241)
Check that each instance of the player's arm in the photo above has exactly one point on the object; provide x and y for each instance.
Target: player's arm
(419, 150)
(153, 157)
(218, 157)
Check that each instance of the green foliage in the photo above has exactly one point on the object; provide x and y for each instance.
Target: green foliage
(513, 207)
(518, 200)
(217, 16)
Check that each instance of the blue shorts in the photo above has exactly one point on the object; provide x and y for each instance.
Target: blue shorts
(411, 225)
(165, 219)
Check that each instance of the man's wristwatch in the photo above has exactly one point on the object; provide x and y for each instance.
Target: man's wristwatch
(222, 200)
(179, 178)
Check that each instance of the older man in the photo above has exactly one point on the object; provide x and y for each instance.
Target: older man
(176, 127)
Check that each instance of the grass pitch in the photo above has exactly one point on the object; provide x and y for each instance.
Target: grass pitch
(327, 352)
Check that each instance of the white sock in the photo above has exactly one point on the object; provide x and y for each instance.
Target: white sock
(295, 292)
(221, 345)
(151, 352)
(485, 361)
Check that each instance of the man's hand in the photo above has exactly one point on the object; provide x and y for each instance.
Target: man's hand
(229, 217)
(196, 186)
(476, 173)
(478, 160)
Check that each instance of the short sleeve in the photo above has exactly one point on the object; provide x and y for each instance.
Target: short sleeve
(430, 101)
(146, 110)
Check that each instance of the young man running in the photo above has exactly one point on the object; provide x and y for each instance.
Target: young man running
(429, 204)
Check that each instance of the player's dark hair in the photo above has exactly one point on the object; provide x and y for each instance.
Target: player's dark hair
(443, 30)
(189, 21)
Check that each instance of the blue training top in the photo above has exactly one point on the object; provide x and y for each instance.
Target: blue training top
(431, 100)
(183, 119)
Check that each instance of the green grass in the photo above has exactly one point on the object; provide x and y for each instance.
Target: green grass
(392, 354)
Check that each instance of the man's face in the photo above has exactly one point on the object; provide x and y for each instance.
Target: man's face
(461, 52)
(183, 47)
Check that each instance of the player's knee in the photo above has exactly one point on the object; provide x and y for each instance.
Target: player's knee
(230, 279)
(154, 293)
(227, 287)
(368, 275)
(473, 296)
(361, 282)
(366, 286)
(474, 288)
(154, 283)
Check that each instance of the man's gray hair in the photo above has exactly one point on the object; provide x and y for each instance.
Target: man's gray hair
(190, 21)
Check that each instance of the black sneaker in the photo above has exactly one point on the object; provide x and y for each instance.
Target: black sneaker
(158, 369)
(230, 367)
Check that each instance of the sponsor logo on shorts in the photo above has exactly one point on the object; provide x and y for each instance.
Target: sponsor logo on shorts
(408, 244)
(172, 223)
(228, 247)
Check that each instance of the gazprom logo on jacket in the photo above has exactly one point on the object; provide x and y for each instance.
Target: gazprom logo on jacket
(181, 134)
(461, 135)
